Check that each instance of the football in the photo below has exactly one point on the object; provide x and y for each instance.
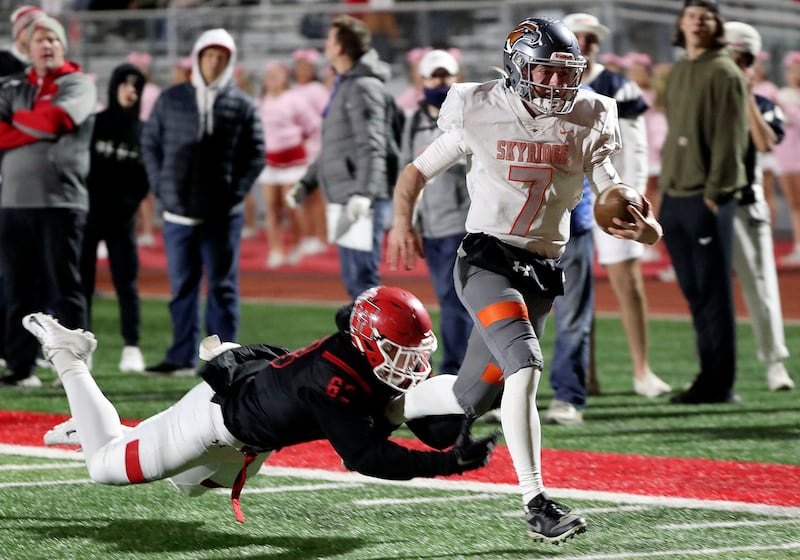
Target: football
(613, 203)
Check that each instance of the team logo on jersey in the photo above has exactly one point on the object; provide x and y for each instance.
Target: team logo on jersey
(527, 30)
(524, 269)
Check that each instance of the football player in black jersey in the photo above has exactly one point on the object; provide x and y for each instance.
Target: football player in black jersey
(259, 398)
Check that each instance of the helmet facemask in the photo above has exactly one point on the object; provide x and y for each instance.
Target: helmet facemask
(545, 98)
(394, 331)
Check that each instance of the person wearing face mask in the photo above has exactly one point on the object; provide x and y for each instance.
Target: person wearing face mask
(442, 212)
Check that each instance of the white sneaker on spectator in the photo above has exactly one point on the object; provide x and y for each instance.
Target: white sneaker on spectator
(667, 274)
(102, 251)
(778, 378)
(651, 386)
(131, 360)
(563, 414)
(275, 260)
(791, 259)
(146, 240)
(30, 382)
(312, 246)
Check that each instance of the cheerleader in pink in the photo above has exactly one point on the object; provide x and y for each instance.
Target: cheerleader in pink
(787, 153)
(308, 87)
(288, 122)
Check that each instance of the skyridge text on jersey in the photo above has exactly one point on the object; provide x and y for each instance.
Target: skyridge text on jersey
(532, 152)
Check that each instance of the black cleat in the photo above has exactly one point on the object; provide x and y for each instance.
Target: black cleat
(550, 521)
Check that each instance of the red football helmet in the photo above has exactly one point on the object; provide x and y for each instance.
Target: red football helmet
(394, 331)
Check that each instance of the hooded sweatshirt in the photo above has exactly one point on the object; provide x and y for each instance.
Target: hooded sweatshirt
(117, 181)
(203, 145)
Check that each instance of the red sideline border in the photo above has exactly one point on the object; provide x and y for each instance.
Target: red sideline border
(701, 479)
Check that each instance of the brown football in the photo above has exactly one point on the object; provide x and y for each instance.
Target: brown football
(613, 202)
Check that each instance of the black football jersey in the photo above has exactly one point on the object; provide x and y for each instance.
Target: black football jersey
(327, 390)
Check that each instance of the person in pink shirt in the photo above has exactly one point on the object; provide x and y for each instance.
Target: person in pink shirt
(288, 121)
(316, 94)
(787, 153)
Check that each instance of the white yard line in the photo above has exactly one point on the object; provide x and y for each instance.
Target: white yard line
(707, 552)
(724, 524)
(41, 466)
(45, 483)
(444, 499)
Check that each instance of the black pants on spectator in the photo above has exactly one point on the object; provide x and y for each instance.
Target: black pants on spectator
(119, 233)
(700, 245)
(40, 259)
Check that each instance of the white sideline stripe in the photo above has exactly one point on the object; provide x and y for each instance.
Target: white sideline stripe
(40, 452)
(45, 483)
(725, 524)
(683, 553)
(41, 466)
(462, 485)
(295, 488)
(398, 501)
(489, 488)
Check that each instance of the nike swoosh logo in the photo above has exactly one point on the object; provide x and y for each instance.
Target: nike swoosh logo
(704, 240)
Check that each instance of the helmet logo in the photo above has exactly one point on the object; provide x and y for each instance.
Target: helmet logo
(527, 29)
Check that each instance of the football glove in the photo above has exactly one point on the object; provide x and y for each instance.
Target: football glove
(357, 207)
(473, 453)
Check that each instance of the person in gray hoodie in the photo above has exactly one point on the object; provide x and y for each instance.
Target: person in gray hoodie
(352, 164)
(203, 148)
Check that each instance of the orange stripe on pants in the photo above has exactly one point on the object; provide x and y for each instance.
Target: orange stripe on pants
(502, 310)
(493, 375)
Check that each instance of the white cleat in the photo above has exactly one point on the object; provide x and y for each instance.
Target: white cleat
(62, 434)
(53, 336)
(131, 360)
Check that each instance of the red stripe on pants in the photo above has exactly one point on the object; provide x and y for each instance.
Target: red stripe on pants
(133, 467)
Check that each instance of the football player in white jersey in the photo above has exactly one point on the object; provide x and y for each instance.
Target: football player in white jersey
(529, 139)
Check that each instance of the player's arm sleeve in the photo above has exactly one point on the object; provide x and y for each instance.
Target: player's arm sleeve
(440, 155)
(364, 447)
(604, 142)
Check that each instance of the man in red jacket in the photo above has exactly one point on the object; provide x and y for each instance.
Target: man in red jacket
(46, 120)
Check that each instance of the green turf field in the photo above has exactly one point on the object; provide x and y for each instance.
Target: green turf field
(49, 510)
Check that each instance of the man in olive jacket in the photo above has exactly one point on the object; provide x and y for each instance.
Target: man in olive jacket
(702, 177)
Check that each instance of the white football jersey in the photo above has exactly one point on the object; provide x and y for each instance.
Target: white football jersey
(524, 174)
